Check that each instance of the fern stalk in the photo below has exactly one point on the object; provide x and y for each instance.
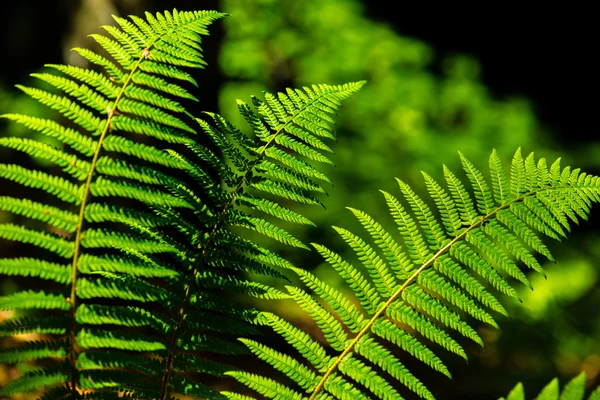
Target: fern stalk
(80, 221)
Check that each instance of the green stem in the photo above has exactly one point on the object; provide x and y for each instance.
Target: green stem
(79, 229)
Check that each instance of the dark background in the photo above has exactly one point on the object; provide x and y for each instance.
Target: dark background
(544, 54)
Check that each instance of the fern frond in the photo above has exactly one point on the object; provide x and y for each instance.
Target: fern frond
(46, 325)
(105, 109)
(142, 151)
(261, 177)
(129, 316)
(573, 390)
(33, 300)
(155, 242)
(410, 290)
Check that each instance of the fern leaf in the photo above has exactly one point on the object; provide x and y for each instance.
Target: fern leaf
(144, 266)
(120, 287)
(46, 241)
(481, 191)
(550, 392)
(81, 92)
(274, 209)
(109, 188)
(97, 339)
(69, 163)
(266, 387)
(30, 351)
(35, 268)
(332, 329)
(349, 315)
(500, 183)
(42, 212)
(151, 246)
(366, 294)
(33, 300)
(34, 380)
(473, 243)
(266, 228)
(83, 144)
(303, 376)
(573, 390)
(142, 151)
(99, 238)
(380, 356)
(53, 185)
(129, 316)
(390, 248)
(70, 109)
(382, 279)
(405, 314)
(46, 325)
(448, 210)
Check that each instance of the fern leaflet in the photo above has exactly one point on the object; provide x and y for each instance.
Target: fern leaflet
(573, 390)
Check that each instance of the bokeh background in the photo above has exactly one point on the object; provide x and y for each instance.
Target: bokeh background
(440, 79)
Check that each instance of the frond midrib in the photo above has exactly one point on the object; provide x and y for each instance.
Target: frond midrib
(212, 236)
(366, 329)
(72, 352)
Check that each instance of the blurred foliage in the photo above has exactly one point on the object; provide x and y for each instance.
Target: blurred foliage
(417, 110)
(406, 119)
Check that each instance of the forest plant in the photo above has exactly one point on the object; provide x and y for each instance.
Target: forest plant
(434, 281)
(143, 209)
(151, 247)
(574, 390)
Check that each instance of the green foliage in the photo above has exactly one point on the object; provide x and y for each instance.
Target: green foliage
(574, 390)
(406, 296)
(142, 240)
(145, 225)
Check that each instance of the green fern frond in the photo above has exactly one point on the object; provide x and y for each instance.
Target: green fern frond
(425, 285)
(573, 390)
(85, 145)
(104, 110)
(35, 268)
(259, 177)
(159, 235)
